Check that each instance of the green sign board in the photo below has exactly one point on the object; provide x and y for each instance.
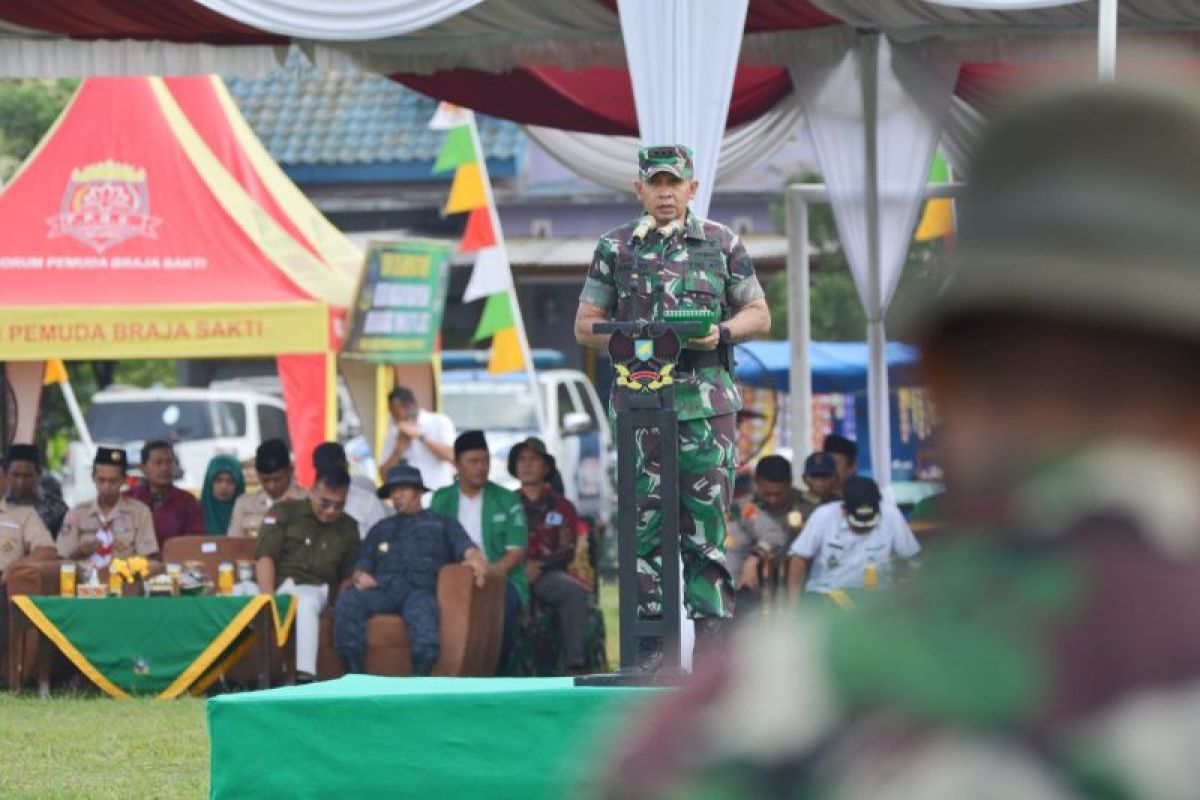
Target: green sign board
(398, 312)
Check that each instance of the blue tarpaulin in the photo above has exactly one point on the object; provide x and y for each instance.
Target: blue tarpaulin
(837, 367)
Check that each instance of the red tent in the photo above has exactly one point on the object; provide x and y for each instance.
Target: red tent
(125, 237)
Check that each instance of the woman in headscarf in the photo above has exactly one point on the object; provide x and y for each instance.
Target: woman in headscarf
(223, 484)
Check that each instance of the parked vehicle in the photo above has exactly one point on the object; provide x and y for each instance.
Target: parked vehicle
(200, 423)
(576, 431)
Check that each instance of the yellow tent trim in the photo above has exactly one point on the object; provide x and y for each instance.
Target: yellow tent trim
(288, 255)
(77, 658)
(331, 243)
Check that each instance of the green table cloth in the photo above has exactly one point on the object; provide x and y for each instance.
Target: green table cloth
(152, 645)
(366, 736)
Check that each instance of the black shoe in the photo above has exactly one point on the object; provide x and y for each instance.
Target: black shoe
(650, 658)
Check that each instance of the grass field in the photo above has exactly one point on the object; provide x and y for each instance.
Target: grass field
(96, 747)
(92, 746)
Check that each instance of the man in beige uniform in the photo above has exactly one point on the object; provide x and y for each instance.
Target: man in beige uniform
(278, 480)
(112, 525)
(23, 537)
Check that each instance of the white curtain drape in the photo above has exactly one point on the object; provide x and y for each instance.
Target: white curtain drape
(343, 20)
(70, 58)
(910, 18)
(682, 57)
(611, 161)
(875, 112)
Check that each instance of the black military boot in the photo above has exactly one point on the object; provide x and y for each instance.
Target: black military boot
(649, 659)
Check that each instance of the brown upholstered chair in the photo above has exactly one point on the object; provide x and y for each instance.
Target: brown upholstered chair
(471, 622)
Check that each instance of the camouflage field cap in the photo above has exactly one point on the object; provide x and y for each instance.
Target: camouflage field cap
(1081, 206)
(673, 158)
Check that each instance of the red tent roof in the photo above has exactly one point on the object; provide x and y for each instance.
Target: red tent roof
(123, 216)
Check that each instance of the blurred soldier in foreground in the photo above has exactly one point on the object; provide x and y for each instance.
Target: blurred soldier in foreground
(1050, 649)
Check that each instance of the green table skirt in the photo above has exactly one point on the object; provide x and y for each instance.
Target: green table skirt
(157, 645)
(365, 736)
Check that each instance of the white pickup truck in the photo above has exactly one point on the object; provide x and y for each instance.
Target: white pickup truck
(577, 433)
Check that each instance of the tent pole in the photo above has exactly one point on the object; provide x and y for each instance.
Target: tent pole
(1106, 45)
(877, 388)
(799, 331)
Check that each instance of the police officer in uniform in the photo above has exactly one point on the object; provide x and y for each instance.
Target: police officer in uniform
(765, 526)
(307, 548)
(397, 572)
(670, 258)
(273, 464)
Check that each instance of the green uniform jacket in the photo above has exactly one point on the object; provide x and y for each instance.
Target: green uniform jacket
(503, 526)
(306, 549)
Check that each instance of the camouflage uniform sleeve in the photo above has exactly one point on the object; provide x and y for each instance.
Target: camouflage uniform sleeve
(742, 287)
(599, 289)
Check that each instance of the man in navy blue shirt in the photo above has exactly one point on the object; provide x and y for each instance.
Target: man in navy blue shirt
(397, 573)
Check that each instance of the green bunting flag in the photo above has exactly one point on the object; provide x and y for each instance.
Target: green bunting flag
(497, 315)
(456, 149)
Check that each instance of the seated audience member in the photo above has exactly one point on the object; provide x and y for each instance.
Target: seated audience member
(494, 519)
(306, 548)
(422, 439)
(224, 483)
(765, 526)
(176, 512)
(553, 534)
(23, 537)
(273, 464)
(23, 474)
(397, 573)
(852, 544)
(114, 525)
(362, 505)
(845, 455)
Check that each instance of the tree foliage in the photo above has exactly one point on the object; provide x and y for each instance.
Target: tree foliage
(835, 310)
(28, 108)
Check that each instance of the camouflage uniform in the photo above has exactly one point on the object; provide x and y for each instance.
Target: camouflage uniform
(638, 272)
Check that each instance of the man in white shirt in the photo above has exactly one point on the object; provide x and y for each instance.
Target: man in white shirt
(851, 544)
(424, 439)
(361, 504)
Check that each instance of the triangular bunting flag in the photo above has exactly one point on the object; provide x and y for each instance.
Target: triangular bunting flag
(467, 192)
(479, 233)
(938, 219)
(449, 116)
(490, 275)
(458, 148)
(506, 352)
(56, 372)
(497, 315)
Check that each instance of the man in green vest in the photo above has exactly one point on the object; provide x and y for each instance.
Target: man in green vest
(494, 519)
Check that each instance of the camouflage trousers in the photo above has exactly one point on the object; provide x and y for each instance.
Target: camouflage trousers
(707, 457)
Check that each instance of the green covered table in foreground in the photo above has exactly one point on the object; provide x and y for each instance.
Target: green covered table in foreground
(154, 645)
(365, 736)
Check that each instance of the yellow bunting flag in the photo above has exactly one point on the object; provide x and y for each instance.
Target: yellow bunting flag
(56, 372)
(467, 191)
(506, 352)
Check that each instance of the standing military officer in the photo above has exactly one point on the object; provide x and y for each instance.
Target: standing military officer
(306, 548)
(397, 573)
(666, 259)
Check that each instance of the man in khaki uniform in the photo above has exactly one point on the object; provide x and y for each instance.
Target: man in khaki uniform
(112, 525)
(23, 537)
(308, 548)
(278, 480)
